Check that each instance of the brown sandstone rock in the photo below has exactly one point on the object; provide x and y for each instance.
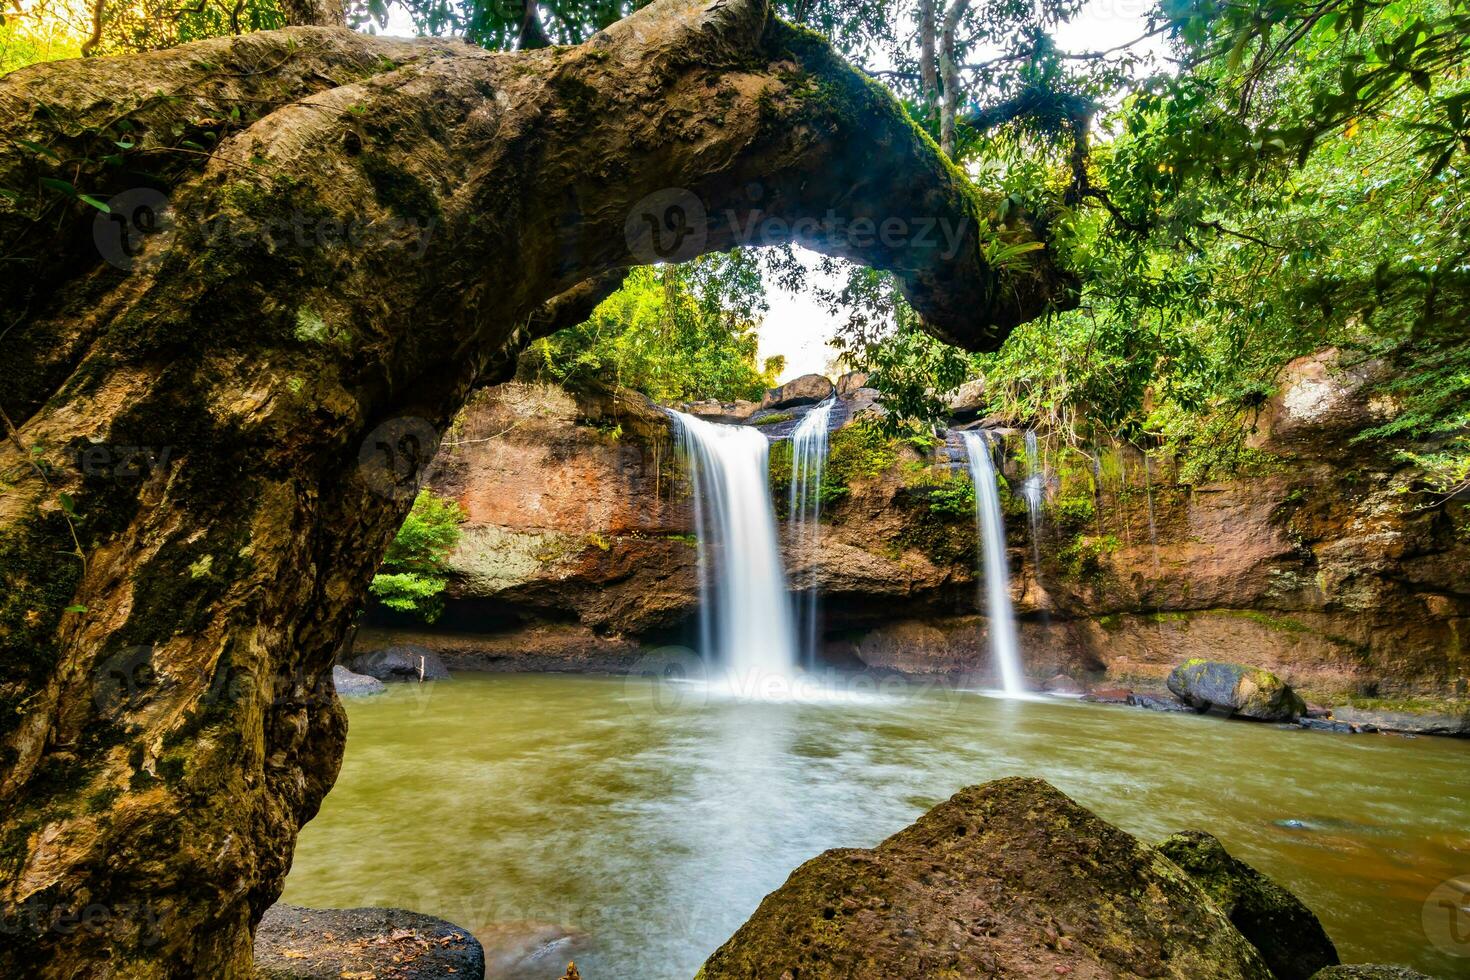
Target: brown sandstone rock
(1011, 878)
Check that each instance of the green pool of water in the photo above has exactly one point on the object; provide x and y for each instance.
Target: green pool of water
(649, 819)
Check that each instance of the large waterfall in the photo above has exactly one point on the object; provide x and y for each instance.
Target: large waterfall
(745, 616)
(990, 525)
(808, 459)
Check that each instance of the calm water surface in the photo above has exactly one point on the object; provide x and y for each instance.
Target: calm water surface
(650, 819)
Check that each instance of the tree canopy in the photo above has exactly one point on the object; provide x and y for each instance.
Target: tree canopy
(1239, 185)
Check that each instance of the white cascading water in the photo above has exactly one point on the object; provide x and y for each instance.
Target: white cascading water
(745, 616)
(990, 524)
(1034, 490)
(808, 460)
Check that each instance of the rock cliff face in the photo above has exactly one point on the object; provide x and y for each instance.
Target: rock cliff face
(1310, 564)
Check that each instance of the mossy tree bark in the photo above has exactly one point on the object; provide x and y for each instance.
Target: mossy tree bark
(212, 434)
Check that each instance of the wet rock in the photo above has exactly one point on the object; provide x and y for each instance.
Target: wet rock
(1359, 971)
(295, 943)
(1289, 936)
(350, 685)
(1327, 725)
(1011, 878)
(805, 390)
(1062, 684)
(1248, 692)
(1156, 702)
(1108, 695)
(1428, 722)
(405, 662)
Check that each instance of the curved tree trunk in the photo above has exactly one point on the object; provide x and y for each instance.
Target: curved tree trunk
(219, 406)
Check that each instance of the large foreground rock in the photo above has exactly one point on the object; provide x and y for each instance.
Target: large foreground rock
(1012, 879)
(403, 662)
(1245, 691)
(295, 943)
(1288, 935)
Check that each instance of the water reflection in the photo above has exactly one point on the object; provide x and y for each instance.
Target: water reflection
(635, 824)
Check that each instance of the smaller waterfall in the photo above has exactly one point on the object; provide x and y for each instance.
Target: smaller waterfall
(990, 524)
(745, 618)
(1034, 490)
(808, 460)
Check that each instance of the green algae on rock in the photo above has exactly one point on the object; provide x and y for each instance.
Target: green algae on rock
(1008, 878)
(1288, 934)
(1246, 691)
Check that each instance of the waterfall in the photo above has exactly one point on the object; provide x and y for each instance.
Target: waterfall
(1034, 490)
(990, 525)
(808, 458)
(745, 617)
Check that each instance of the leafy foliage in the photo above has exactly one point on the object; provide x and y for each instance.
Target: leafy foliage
(412, 576)
(675, 333)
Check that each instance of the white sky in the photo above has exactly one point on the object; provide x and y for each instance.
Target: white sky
(796, 327)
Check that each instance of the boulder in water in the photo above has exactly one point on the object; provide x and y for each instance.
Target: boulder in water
(1011, 878)
(295, 943)
(1245, 691)
(350, 685)
(1425, 722)
(1289, 936)
(805, 390)
(401, 662)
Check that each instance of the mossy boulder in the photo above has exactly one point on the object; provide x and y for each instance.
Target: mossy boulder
(1288, 935)
(1011, 878)
(1249, 692)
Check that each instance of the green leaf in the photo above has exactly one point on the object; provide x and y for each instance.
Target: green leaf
(60, 186)
(38, 148)
(99, 205)
(78, 608)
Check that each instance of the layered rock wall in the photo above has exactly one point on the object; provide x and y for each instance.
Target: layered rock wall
(1310, 562)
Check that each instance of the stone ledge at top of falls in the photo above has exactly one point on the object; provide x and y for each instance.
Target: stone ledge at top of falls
(1009, 878)
(805, 390)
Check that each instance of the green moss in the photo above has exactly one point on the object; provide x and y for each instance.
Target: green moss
(774, 419)
(1085, 556)
(1283, 624)
(859, 452)
(939, 521)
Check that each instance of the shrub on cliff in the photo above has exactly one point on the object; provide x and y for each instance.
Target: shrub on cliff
(412, 577)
